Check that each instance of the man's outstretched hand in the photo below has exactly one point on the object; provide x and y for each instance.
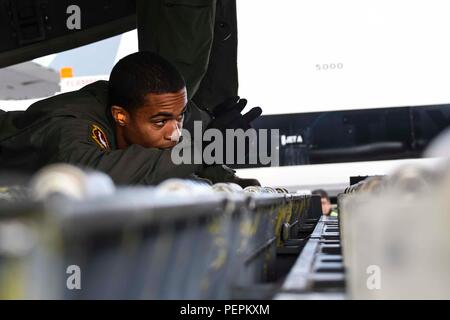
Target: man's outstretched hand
(227, 115)
(223, 173)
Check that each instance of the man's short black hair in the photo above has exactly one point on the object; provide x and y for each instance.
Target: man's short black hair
(322, 193)
(139, 74)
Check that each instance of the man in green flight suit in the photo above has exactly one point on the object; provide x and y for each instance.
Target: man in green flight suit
(125, 127)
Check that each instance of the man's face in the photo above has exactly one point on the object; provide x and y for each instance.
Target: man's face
(326, 206)
(158, 123)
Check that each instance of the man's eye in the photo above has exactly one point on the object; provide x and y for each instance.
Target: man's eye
(160, 123)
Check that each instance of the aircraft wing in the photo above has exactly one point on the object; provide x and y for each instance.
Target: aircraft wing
(28, 80)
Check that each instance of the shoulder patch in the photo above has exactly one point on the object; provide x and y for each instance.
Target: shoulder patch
(99, 137)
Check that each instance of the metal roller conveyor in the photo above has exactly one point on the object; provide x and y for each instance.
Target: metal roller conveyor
(390, 241)
(180, 240)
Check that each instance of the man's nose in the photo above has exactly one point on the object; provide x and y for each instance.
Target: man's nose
(175, 133)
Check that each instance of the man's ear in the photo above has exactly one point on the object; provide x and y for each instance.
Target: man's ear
(120, 115)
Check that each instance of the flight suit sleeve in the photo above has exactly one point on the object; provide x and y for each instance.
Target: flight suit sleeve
(69, 141)
(181, 31)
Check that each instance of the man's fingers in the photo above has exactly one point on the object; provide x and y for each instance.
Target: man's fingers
(225, 106)
(247, 182)
(240, 105)
(252, 114)
(237, 105)
(234, 119)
